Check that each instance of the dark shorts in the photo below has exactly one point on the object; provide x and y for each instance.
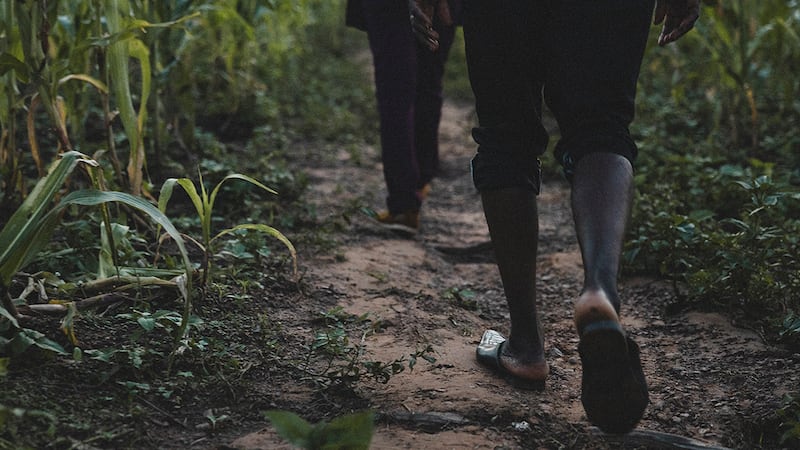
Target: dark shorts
(581, 57)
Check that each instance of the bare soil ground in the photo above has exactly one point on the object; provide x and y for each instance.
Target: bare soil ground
(710, 382)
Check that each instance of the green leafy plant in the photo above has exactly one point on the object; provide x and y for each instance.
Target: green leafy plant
(463, 297)
(203, 202)
(728, 82)
(30, 227)
(11, 418)
(27, 229)
(348, 432)
(22, 338)
(45, 45)
(337, 360)
(138, 354)
(119, 53)
(791, 328)
(789, 415)
(214, 421)
(725, 234)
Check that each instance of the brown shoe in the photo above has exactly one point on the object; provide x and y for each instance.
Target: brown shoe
(424, 191)
(406, 222)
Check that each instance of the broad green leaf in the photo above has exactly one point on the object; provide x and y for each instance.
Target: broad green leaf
(19, 343)
(7, 315)
(352, 432)
(118, 66)
(190, 189)
(11, 62)
(166, 193)
(164, 196)
(91, 197)
(20, 232)
(147, 323)
(26, 338)
(291, 427)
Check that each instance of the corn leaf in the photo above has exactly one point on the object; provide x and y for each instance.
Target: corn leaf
(237, 176)
(27, 337)
(91, 197)
(118, 65)
(20, 232)
(99, 85)
(11, 62)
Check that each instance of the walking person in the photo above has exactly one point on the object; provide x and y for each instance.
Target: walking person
(409, 69)
(582, 58)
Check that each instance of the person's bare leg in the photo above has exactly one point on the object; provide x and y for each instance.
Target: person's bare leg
(513, 222)
(602, 194)
(613, 384)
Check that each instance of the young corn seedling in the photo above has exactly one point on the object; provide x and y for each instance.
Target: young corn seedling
(203, 202)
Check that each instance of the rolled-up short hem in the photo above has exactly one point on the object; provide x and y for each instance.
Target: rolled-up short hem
(507, 157)
(491, 174)
(568, 153)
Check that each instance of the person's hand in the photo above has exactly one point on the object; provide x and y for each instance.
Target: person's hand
(678, 16)
(421, 13)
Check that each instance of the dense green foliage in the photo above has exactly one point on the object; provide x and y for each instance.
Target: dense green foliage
(717, 178)
(166, 82)
(157, 70)
(175, 88)
(719, 170)
(717, 181)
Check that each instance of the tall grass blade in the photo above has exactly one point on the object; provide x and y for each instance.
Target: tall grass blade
(91, 197)
(21, 230)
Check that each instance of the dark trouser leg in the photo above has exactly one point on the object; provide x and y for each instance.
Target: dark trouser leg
(428, 105)
(394, 52)
(507, 86)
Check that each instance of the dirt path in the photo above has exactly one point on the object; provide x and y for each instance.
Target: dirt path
(709, 381)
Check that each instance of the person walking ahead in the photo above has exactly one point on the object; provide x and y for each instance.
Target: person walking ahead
(582, 58)
(408, 84)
